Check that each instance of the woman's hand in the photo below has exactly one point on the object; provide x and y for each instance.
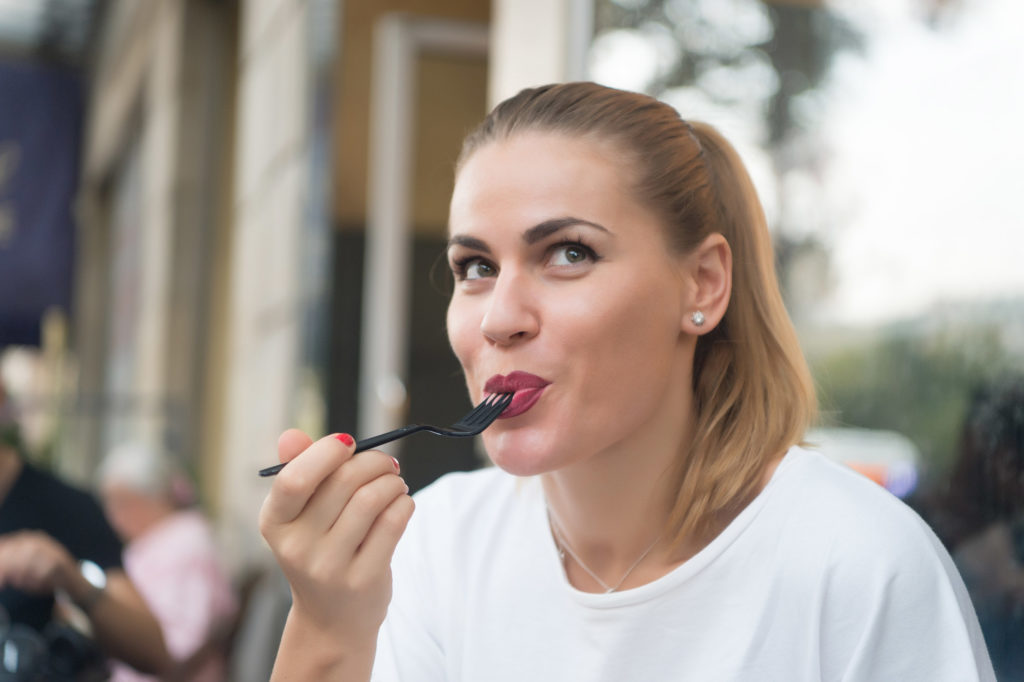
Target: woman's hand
(332, 521)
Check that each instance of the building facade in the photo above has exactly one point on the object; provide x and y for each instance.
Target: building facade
(263, 199)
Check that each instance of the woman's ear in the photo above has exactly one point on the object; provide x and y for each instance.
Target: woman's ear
(710, 275)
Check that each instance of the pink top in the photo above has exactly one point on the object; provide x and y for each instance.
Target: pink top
(177, 569)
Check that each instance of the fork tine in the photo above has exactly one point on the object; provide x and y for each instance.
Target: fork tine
(470, 417)
(494, 408)
(486, 411)
(503, 401)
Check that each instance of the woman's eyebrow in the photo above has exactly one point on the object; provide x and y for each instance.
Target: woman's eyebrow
(531, 236)
(549, 227)
(469, 243)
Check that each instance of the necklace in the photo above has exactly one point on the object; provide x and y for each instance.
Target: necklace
(564, 547)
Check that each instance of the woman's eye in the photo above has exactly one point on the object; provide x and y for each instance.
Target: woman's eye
(476, 269)
(570, 254)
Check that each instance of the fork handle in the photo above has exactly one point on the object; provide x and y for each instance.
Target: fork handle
(375, 441)
(365, 444)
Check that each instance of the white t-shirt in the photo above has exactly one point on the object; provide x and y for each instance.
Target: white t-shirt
(824, 576)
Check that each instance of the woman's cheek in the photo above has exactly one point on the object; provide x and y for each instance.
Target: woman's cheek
(459, 333)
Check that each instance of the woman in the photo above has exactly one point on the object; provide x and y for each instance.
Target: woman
(650, 515)
(172, 557)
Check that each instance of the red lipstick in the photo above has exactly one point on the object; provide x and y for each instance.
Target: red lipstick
(526, 387)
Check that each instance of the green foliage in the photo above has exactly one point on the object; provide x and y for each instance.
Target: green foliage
(913, 383)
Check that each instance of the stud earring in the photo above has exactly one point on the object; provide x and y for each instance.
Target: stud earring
(697, 317)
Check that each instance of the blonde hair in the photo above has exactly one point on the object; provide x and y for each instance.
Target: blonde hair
(753, 393)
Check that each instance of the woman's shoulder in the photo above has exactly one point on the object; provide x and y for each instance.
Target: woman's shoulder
(835, 501)
(827, 482)
(879, 567)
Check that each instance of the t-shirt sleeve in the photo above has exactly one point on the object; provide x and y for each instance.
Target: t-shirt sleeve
(86, 532)
(900, 611)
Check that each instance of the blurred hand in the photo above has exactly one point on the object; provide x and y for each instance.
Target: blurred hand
(32, 561)
(333, 521)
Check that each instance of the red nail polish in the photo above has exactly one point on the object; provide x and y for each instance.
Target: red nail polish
(398, 468)
(345, 438)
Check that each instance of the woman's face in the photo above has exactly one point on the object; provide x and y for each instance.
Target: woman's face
(567, 293)
(127, 510)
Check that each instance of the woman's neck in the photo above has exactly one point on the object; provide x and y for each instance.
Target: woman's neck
(612, 506)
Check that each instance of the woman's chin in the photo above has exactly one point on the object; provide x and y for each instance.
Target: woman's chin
(516, 454)
(517, 467)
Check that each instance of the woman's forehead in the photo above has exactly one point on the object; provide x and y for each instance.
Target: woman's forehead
(542, 144)
(535, 176)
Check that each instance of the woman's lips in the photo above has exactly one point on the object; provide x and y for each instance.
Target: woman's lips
(526, 387)
(523, 400)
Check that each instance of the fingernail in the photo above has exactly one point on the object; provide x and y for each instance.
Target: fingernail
(398, 467)
(345, 438)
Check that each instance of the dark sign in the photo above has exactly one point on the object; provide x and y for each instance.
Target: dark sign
(40, 132)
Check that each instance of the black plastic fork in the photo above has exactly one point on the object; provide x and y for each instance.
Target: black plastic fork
(471, 424)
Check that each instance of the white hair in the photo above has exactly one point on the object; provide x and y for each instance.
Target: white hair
(144, 469)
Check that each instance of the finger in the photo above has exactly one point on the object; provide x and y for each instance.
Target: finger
(334, 494)
(374, 555)
(20, 565)
(291, 443)
(367, 503)
(298, 481)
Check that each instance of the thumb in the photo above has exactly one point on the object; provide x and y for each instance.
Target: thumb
(291, 443)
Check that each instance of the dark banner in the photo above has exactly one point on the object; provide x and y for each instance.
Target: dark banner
(40, 132)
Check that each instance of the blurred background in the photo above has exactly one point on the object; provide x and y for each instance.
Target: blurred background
(223, 218)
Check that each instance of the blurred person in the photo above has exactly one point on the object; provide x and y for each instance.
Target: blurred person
(56, 542)
(980, 517)
(652, 514)
(170, 555)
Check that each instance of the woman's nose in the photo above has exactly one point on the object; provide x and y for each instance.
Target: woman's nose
(511, 313)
